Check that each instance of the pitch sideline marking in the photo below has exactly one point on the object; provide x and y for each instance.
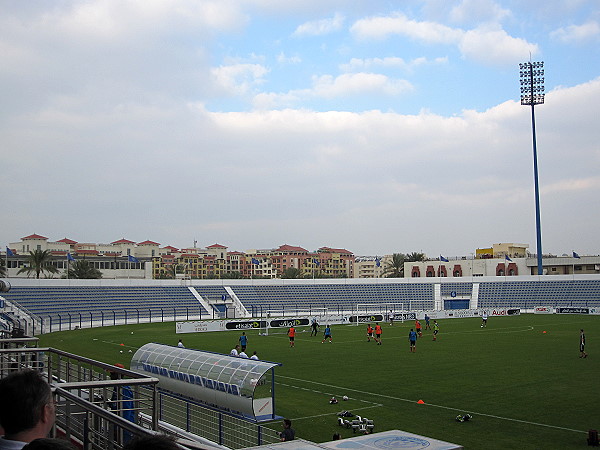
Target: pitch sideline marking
(439, 406)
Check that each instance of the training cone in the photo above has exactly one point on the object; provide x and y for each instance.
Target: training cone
(122, 345)
(544, 331)
(421, 402)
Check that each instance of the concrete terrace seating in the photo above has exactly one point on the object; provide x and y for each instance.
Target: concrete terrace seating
(87, 303)
(335, 297)
(529, 294)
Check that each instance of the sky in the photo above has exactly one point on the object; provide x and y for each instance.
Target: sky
(375, 126)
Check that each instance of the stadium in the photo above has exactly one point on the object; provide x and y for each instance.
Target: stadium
(517, 378)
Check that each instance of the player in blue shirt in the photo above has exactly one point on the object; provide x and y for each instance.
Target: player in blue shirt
(412, 338)
(327, 334)
(243, 341)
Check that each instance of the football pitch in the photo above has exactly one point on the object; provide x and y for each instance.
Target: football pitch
(520, 378)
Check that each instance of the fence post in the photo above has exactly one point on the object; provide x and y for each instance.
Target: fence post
(220, 428)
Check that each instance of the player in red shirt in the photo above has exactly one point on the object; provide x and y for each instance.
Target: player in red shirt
(369, 332)
(378, 332)
(292, 334)
(418, 328)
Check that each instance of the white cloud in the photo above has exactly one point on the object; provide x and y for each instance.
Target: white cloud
(115, 20)
(383, 26)
(282, 58)
(494, 46)
(488, 44)
(468, 11)
(330, 87)
(389, 62)
(578, 33)
(327, 86)
(320, 27)
(239, 78)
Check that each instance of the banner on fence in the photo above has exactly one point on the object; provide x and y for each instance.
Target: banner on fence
(200, 326)
(463, 313)
(542, 310)
(367, 318)
(571, 310)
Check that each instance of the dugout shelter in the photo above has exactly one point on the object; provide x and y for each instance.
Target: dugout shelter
(238, 386)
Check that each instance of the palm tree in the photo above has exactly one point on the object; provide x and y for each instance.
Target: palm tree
(292, 272)
(84, 270)
(415, 256)
(395, 268)
(39, 261)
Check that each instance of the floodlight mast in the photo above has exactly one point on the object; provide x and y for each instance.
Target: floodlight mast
(532, 93)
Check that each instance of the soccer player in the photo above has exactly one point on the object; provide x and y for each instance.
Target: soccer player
(436, 330)
(180, 344)
(582, 344)
(369, 332)
(327, 334)
(391, 317)
(254, 355)
(427, 326)
(418, 327)
(235, 351)
(412, 338)
(291, 334)
(378, 332)
(484, 317)
(314, 326)
(243, 341)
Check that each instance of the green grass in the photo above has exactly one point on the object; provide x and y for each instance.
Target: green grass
(525, 389)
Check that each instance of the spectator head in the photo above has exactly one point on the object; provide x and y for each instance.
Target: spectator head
(27, 409)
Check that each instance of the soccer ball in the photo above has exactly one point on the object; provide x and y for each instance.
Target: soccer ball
(345, 397)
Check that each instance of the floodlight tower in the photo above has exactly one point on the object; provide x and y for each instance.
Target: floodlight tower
(532, 93)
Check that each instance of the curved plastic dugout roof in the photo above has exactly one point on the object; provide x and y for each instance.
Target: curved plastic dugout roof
(221, 381)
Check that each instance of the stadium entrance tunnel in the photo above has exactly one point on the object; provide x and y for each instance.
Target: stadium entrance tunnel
(237, 386)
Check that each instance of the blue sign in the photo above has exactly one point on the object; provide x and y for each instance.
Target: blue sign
(453, 294)
(223, 297)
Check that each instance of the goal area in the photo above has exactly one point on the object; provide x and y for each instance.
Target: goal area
(278, 321)
(384, 312)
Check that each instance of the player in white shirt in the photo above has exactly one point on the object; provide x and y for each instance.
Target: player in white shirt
(235, 351)
(254, 355)
(243, 355)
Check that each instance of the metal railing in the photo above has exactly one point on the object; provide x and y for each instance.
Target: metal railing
(100, 406)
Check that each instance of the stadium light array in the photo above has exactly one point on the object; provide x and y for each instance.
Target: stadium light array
(532, 93)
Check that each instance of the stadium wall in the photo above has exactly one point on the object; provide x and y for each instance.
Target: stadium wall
(45, 282)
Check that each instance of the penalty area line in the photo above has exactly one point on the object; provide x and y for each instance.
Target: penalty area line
(372, 404)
